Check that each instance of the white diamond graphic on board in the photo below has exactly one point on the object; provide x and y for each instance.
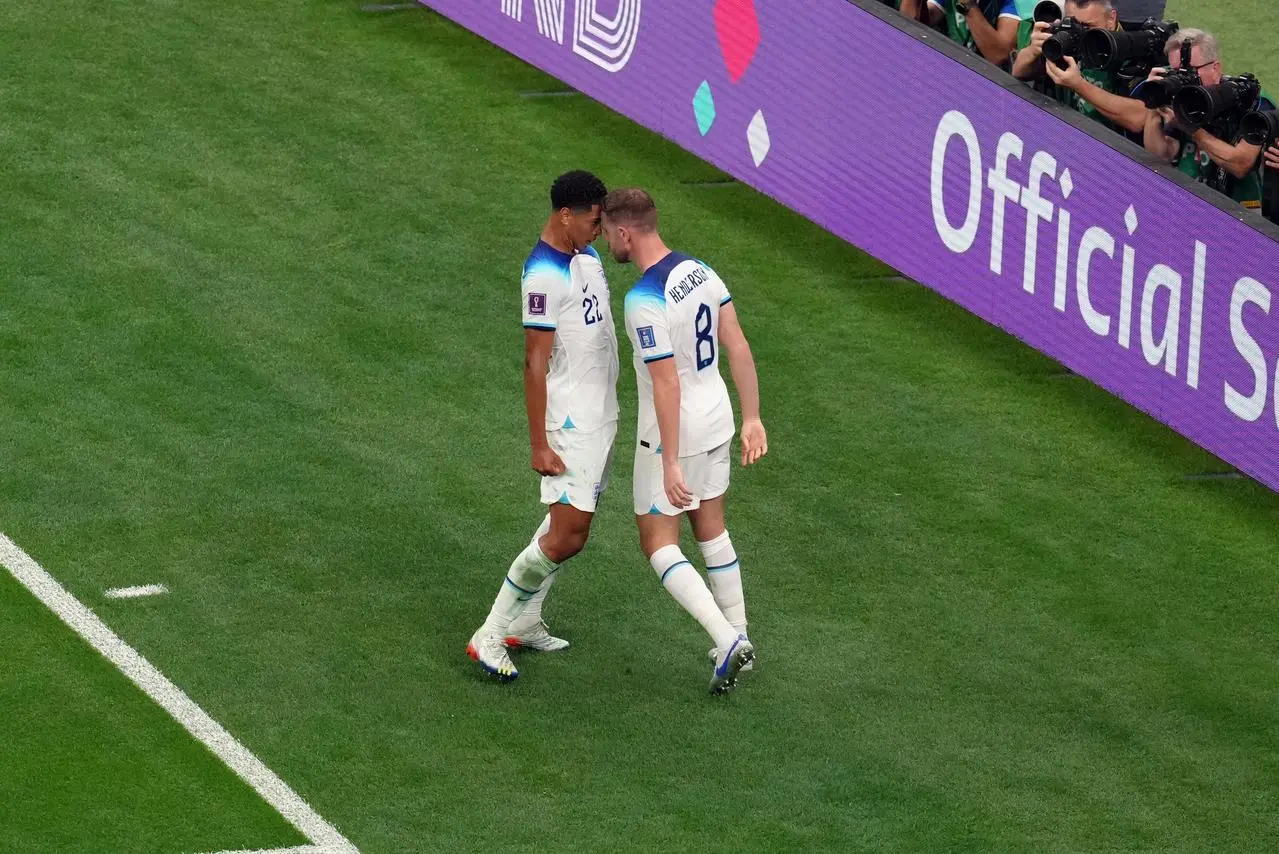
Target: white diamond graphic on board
(1130, 219)
(757, 136)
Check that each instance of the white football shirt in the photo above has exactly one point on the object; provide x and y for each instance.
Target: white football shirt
(568, 294)
(673, 313)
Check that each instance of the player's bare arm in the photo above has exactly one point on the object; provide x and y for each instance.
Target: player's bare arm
(537, 356)
(666, 403)
(742, 365)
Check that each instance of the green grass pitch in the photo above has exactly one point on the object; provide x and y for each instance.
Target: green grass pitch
(261, 344)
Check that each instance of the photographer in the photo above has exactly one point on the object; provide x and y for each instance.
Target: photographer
(1094, 93)
(988, 27)
(1202, 151)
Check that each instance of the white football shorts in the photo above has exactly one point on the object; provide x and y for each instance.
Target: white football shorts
(587, 456)
(705, 475)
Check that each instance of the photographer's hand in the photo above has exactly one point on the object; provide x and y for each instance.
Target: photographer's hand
(1037, 39)
(1028, 63)
(1155, 134)
(1168, 122)
(1272, 156)
(1069, 77)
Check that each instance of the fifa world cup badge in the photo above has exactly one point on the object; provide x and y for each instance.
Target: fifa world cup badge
(537, 304)
(646, 339)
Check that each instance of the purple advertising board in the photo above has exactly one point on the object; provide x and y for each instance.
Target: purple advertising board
(1089, 255)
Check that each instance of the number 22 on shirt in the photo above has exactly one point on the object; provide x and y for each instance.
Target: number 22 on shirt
(591, 309)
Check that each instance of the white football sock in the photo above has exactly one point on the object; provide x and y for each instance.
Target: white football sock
(533, 608)
(724, 572)
(686, 585)
(542, 529)
(532, 614)
(527, 573)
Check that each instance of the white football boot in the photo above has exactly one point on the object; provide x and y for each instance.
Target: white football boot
(713, 653)
(537, 636)
(488, 650)
(729, 663)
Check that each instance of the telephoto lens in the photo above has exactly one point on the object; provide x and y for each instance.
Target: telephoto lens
(1047, 11)
(1110, 51)
(1200, 106)
(1260, 127)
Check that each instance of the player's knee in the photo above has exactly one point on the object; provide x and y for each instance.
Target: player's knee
(709, 530)
(708, 519)
(561, 545)
(653, 541)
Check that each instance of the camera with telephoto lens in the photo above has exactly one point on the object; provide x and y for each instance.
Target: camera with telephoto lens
(1200, 106)
(1064, 39)
(1260, 128)
(1107, 50)
(1160, 91)
(1047, 11)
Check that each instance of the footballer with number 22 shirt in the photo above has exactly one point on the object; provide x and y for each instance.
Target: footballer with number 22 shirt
(570, 394)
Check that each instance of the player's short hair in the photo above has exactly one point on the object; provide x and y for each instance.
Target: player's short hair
(578, 191)
(1206, 42)
(631, 207)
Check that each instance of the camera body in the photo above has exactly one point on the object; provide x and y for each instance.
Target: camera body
(1065, 38)
(1160, 92)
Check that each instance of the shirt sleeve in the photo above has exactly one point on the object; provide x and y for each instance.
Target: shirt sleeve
(1009, 10)
(1025, 31)
(541, 295)
(646, 327)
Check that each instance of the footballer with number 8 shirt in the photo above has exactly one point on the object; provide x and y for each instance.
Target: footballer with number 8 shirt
(570, 394)
(678, 316)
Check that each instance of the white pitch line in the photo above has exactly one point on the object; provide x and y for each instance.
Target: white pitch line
(324, 837)
(135, 592)
(304, 849)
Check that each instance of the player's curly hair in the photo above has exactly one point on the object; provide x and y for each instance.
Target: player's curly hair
(578, 191)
